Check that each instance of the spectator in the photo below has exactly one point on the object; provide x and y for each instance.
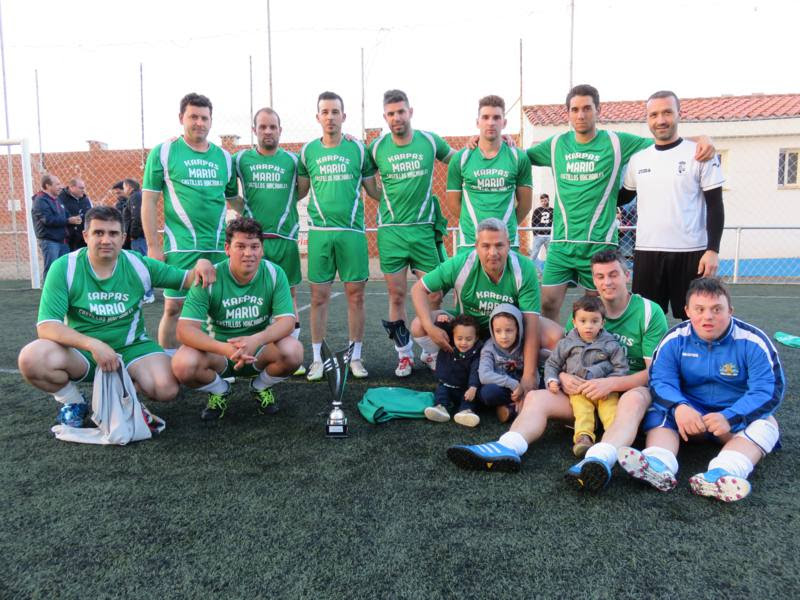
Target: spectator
(542, 218)
(50, 221)
(133, 216)
(121, 204)
(76, 203)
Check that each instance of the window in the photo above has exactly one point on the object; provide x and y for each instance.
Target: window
(787, 167)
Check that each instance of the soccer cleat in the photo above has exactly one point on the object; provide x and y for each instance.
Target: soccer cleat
(357, 369)
(428, 360)
(404, 366)
(590, 474)
(301, 370)
(646, 468)
(267, 404)
(437, 414)
(73, 415)
(719, 484)
(216, 406)
(315, 371)
(493, 456)
(467, 418)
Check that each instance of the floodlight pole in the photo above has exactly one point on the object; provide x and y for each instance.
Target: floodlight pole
(251, 98)
(269, 52)
(571, 38)
(38, 121)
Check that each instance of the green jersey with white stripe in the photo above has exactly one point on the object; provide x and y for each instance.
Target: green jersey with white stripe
(488, 188)
(407, 177)
(638, 329)
(587, 178)
(195, 186)
(476, 294)
(335, 173)
(110, 309)
(269, 184)
(229, 309)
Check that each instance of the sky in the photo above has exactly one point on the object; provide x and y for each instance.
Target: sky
(445, 55)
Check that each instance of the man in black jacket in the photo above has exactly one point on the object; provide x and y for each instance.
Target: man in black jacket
(76, 203)
(133, 217)
(50, 221)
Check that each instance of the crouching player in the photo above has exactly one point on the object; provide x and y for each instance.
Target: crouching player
(239, 340)
(91, 310)
(712, 376)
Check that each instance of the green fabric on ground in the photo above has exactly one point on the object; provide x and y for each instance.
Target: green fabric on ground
(787, 339)
(381, 404)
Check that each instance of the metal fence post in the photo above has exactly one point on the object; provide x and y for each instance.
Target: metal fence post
(736, 256)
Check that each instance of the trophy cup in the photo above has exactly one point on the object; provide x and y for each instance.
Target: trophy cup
(334, 365)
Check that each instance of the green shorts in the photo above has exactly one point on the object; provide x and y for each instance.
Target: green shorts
(408, 246)
(130, 354)
(286, 255)
(569, 261)
(441, 251)
(332, 250)
(187, 260)
(246, 371)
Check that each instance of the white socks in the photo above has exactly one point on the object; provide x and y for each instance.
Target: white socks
(317, 350)
(664, 455)
(356, 350)
(515, 441)
(265, 380)
(69, 394)
(406, 351)
(218, 386)
(733, 462)
(427, 344)
(603, 451)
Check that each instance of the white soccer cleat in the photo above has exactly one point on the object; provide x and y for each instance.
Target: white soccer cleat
(301, 370)
(719, 484)
(315, 371)
(646, 468)
(428, 360)
(357, 369)
(404, 366)
(467, 418)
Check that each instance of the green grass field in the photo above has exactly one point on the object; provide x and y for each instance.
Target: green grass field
(268, 507)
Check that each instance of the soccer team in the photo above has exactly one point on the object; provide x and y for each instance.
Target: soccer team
(230, 297)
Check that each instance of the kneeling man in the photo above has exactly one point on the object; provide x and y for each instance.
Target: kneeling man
(717, 377)
(91, 311)
(239, 327)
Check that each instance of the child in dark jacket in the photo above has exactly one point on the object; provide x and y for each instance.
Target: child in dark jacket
(457, 373)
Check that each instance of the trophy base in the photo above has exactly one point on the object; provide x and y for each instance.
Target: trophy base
(336, 430)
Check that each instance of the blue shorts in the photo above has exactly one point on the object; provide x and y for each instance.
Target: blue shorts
(658, 416)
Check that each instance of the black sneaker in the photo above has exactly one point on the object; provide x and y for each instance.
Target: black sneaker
(267, 404)
(216, 407)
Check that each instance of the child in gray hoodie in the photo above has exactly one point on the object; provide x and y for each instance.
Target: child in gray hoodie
(588, 352)
(500, 368)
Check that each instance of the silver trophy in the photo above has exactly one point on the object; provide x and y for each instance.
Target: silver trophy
(335, 366)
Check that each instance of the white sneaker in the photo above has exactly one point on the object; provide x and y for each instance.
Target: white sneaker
(467, 418)
(315, 371)
(404, 366)
(428, 359)
(437, 414)
(357, 369)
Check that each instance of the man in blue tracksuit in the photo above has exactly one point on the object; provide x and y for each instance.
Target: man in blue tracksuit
(714, 376)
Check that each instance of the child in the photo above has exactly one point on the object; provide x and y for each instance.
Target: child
(457, 373)
(501, 362)
(588, 352)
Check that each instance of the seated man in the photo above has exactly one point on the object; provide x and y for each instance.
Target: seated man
(91, 310)
(239, 339)
(638, 324)
(717, 377)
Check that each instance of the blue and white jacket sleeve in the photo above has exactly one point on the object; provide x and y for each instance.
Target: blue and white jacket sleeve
(665, 375)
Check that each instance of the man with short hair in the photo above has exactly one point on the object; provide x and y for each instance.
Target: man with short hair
(50, 220)
(195, 177)
(76, 203)
(679, 206)
(405, 158)
(91, 311)
(713, 376)
(542, 222)
(133, 212)
(638, 324)
(586, 164)
(336, 168)
(493, 180)
(241, 326)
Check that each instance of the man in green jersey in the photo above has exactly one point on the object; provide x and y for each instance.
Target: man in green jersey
(405, 159)
(491, 180)
(638, 324)
(240, 326)
(335, 168)
(194, 176)
(91, 311)
(586, 165)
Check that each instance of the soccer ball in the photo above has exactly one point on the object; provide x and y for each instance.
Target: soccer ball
(73, 415)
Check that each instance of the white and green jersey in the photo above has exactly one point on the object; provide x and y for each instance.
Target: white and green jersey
(110, 309)
(335, 173)
(638, 329)
(488, 188)
(587, 178)
(194, 185)
(407, 177)
(229, 309)
(269, 185)
(476, 294)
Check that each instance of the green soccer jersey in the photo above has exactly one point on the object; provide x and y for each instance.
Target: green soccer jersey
(587, 178)
(269, 184)
(407, 177)
(335, 173)
(194, 185)
(638, 329)
(110, 309)
(476, 294)
(488, 188)
(230, 309)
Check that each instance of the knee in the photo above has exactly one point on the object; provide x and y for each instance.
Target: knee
(184, 365)
(416, 328)
(292, 354)
(633, 403)
(172, 309)
(165, 387)
(356, 297)
(33, 359)
(318, 299)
